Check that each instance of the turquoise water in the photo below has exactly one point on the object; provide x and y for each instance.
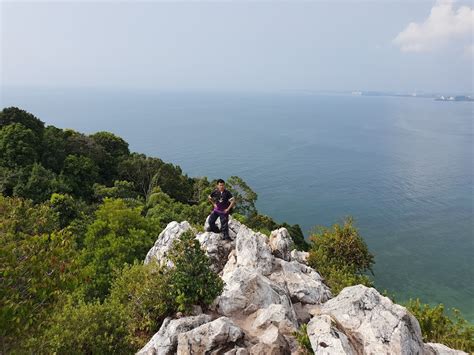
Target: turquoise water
(401, 166)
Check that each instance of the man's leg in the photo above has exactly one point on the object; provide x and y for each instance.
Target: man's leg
(212, 222)
(225, 225)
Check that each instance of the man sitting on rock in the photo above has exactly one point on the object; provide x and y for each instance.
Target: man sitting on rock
(223, 201)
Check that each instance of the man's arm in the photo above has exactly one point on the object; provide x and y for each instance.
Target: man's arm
(211, 200)
(232, 203)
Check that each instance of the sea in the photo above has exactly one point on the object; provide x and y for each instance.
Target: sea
(402, 167)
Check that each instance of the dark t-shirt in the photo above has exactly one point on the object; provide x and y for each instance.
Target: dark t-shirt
(222, 199)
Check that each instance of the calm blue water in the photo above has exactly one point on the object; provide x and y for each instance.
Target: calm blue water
(403, 167)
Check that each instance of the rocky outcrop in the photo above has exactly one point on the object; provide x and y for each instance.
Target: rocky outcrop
(165, 241)
(165, 341)
(269, 291)
(281, 243)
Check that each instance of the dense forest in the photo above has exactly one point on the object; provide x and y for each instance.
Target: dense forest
(78, 215)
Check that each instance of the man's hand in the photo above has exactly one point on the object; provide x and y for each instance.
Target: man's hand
(215, 205)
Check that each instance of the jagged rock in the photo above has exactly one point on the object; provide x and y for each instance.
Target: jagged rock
(247, 290)
(304, 284)
(441, 349)
(165, 341)
(281, 243)
(216, 336)
(302, 314)
(299, 256)
(216, 249)
(326, 338)
(277, 315)
(237, 351)
(272, 342)
(381, 326)
(165, 241)
(252, 250)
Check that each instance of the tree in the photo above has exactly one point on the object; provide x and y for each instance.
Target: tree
(79, 174)
(38, 264)
(40, 185)
(245, 197)
(12, 115)
(115, 146)
(118, 235)
(18, 146)
(140, 169)
(53, 149)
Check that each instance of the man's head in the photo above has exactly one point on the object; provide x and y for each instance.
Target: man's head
(220, 185)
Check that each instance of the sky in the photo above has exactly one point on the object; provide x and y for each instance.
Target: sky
(405, 45)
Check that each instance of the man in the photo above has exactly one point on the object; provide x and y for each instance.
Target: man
(223, 201)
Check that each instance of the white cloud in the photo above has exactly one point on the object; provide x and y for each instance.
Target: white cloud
(443, 26)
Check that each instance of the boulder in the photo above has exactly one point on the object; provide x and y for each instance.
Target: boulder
(165, 241)
(326, 338)
(281, 243)
(374, 321)
(441, 349)
(247, 290)
(276, 315)
(271, 341)
(299, 256)
(303, 283)
(217, 336)
(165, 341)
(216, 249)
(252, 250)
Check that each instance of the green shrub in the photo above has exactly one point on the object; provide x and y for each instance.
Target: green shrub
(438, 327)
(192, 280)
(340, 255)
(144, 292)
(77, 327)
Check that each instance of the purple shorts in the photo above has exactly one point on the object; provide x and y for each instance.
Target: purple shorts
(219, 211)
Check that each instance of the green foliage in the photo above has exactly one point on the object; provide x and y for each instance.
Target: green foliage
(438, 327)
(53, 149)
(245, 197)
(39, 186)
(121, 189)
(12, 115)
(144, 293)
(118, 235)
(340, 255)
(77, 327)
(18, 146)
(192, 280)
(165, 209)
(38, 263)
(302, 338)
(115, 146)
(79, 174)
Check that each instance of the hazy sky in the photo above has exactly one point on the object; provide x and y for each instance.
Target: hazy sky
(240, 45)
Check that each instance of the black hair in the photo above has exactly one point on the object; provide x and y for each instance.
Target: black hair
(220, 180)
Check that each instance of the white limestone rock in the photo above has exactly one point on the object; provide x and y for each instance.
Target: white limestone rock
(281, 243)
(217, 336)
(381, 326)
(247, 290)
(216, 249)
(165, 241)
(165, 341)
(441, 349)
(252, 250)
(299, 256)
(304, 284)
(327, 339)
